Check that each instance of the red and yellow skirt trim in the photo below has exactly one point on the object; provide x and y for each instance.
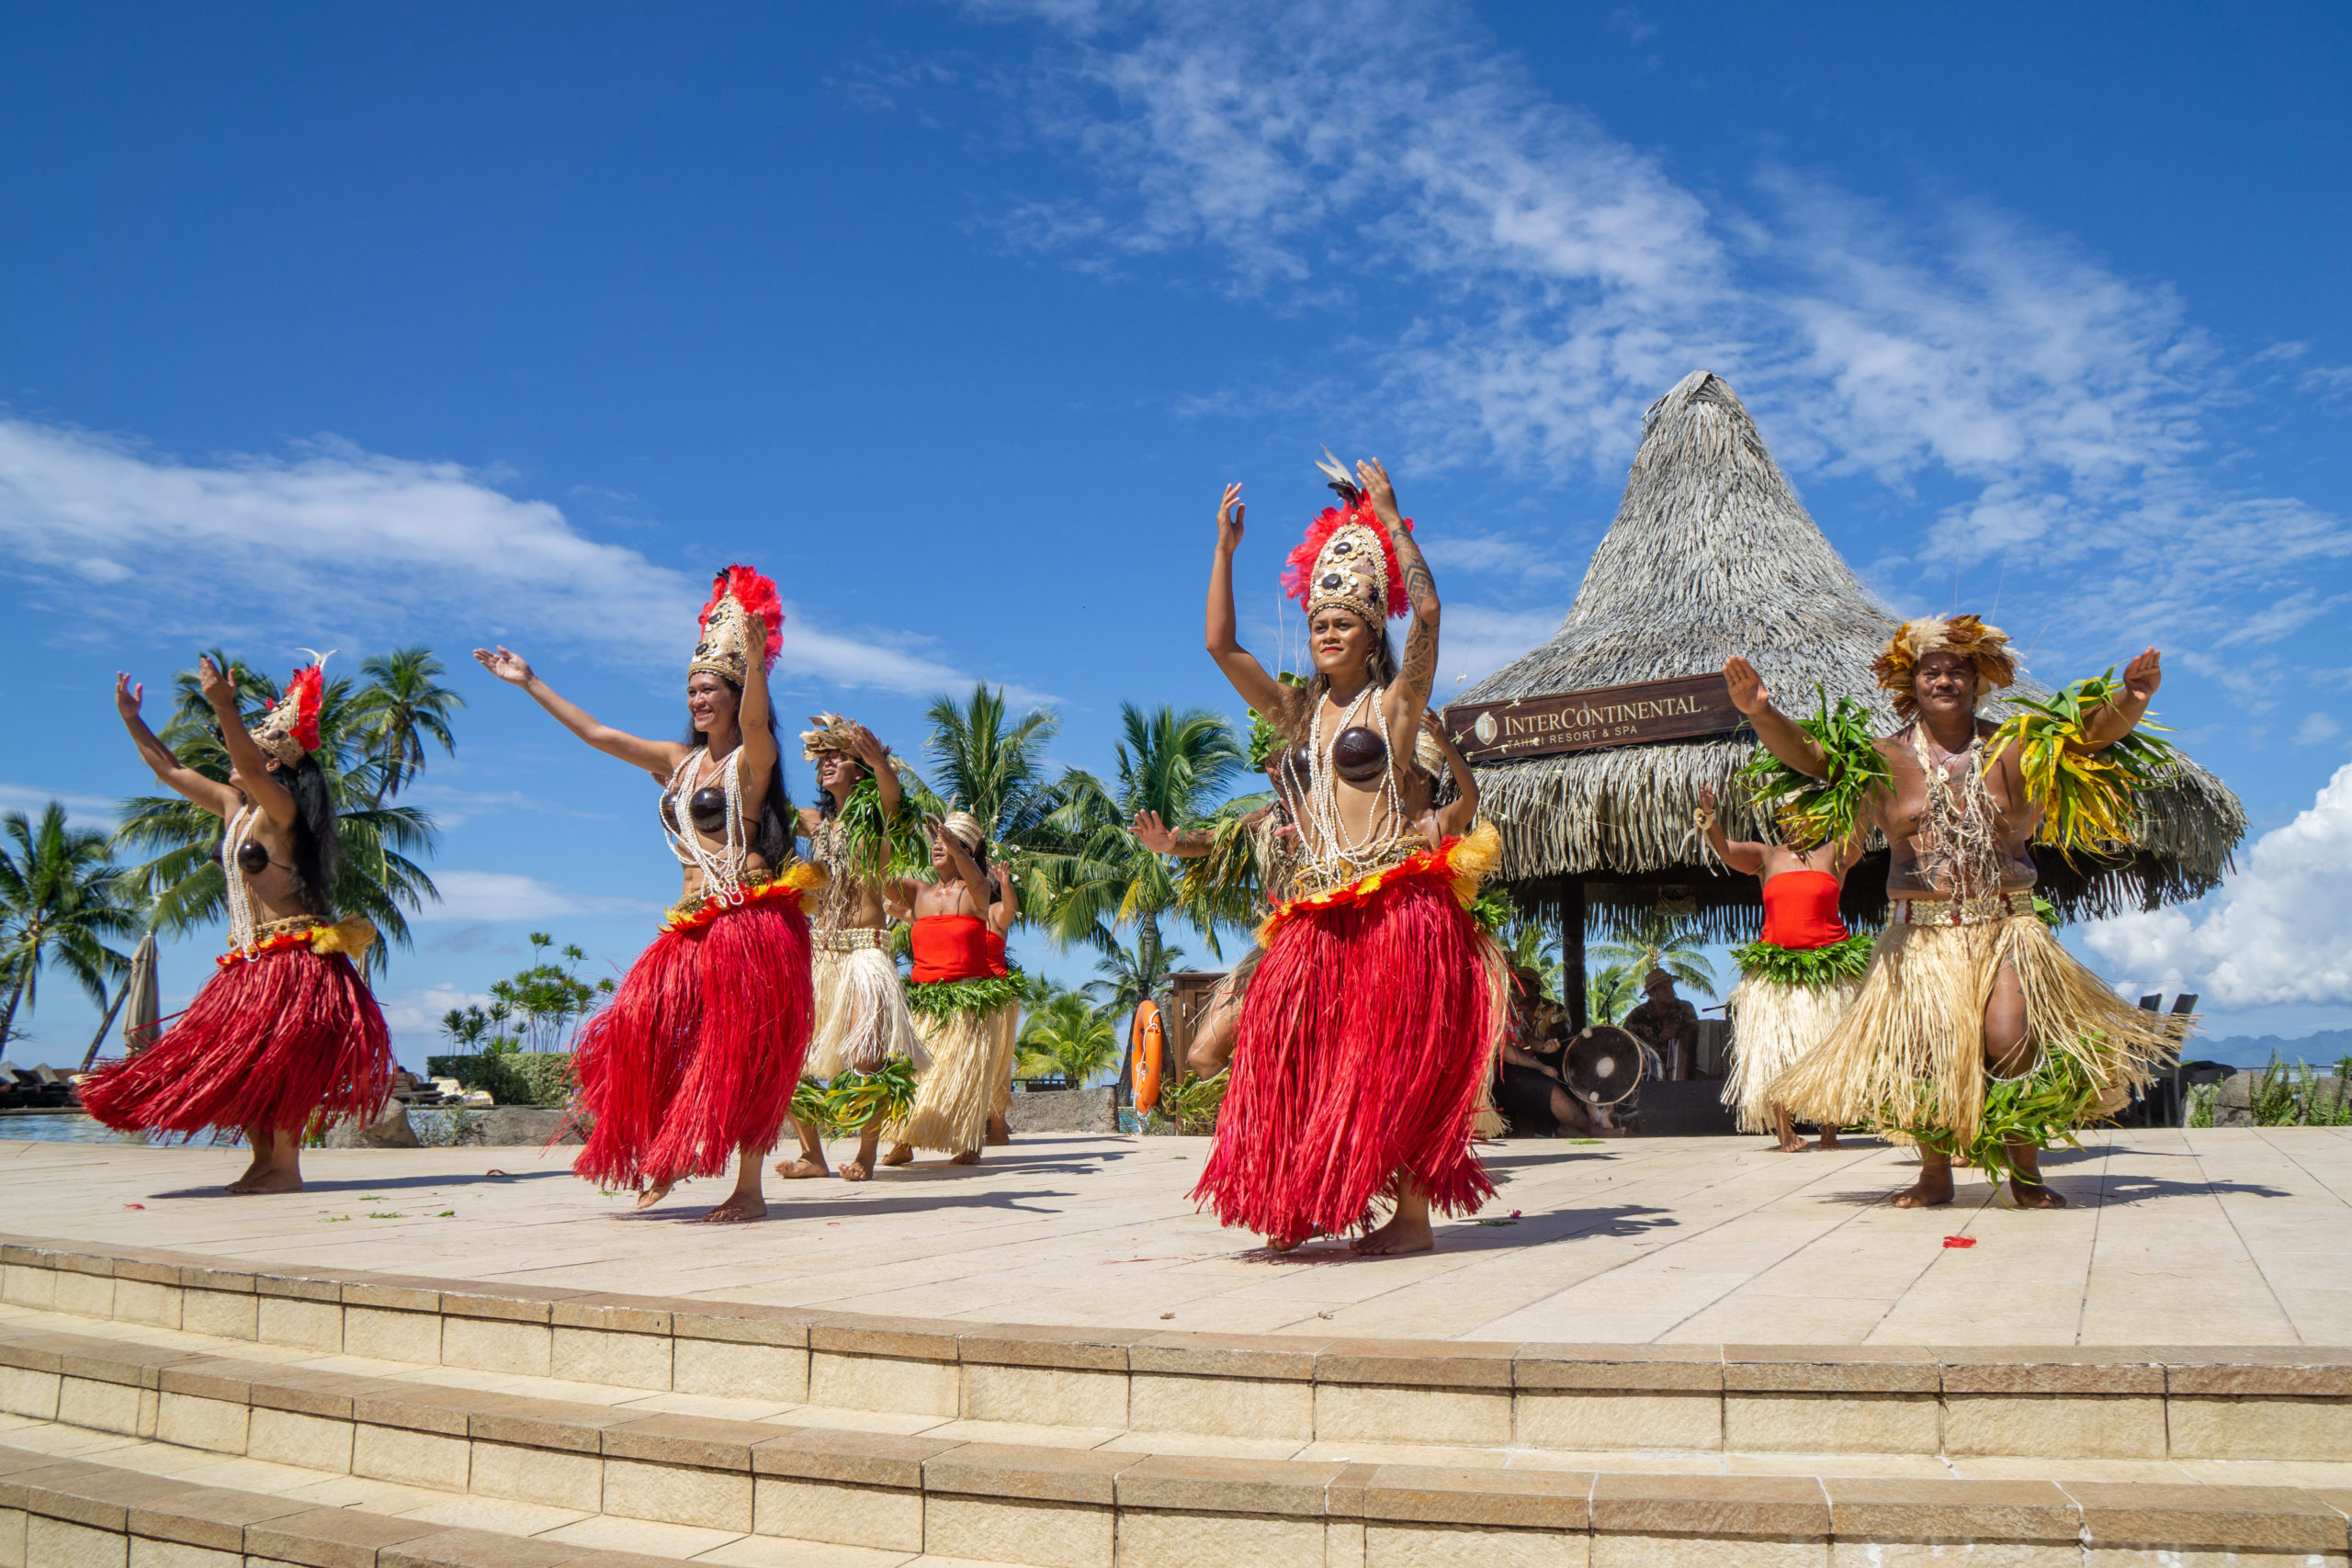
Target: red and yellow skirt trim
(352, 938)
(800, 877)
(1463, 863)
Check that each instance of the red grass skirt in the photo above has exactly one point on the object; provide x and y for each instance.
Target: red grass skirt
(1365, 1036)
(698, 1051)
(270, 1041)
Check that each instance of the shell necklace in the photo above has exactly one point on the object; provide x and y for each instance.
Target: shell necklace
(1341, 856)
(722, 873)
(241, 901)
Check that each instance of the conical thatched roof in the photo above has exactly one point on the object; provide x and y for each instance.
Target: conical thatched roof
(1711, 555)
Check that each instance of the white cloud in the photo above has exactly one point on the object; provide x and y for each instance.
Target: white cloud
(367, 543)
(2317, 729)
(1478, 641)
(1562, 280)
(2274, 932)
(469, 896)
(81, 811)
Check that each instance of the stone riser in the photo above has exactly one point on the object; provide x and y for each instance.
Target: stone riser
(2254, 1404)
(76, 1513)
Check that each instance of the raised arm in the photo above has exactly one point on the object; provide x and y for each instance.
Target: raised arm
(1737, 853)
(2121, 714)
(877, 758)
(660, 758)
(1007, 908)
(1161, 839)
(1779, 732)
(262, 788)
(757, 742)
(1417, 670)
(1463, 809)
(1260, 690)
(967, 870)
(210, 794)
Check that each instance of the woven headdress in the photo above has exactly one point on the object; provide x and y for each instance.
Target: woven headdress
(1987, 647)
(736, 595)
(289, 731)
(833, 733)
(1346, 560)
(967, 827)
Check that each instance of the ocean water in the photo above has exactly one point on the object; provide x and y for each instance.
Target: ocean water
(64, 1127)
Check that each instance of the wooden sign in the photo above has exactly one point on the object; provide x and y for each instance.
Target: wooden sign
(1518, 727)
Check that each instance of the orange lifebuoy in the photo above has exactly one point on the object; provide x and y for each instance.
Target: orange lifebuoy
(1146, 1035)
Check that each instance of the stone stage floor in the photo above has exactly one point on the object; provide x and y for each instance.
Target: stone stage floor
(2174, 1238)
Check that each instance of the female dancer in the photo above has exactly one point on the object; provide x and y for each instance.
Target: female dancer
(1369, 1026)
(862, 1018)
(1966, 988)
(697, 1056)
(957, 998)
(1004, 910)
(1798, 979)
(285, 1029)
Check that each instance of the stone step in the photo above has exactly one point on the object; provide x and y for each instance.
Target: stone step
(2076, 1403)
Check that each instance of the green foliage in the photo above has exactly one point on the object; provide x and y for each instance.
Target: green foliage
(62, 899)
(1656, 939)
(1811, 967)
(855, 1100)
(1811, 810)
(548, 999)
(1609, 994)
(2200, 1103)
(1266, 738)
(940, 999)
(2042, 1109)
(1188, 1106)
(879, 846)
(989, 765)
(477, 1029)
(2086, 797)
(372, 746)
(511, 1078)
(1068, 1037)
(2300, 1097)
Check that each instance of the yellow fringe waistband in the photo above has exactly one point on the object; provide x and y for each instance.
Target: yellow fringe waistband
(794, 880)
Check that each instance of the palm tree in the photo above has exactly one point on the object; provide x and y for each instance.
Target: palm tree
(1134, 975)
(1609, 994)
(382, 842)
(1070, 1037)
(61, 899)
(403, 706)
(991, 764)
(1100, 877)
(1658, 940)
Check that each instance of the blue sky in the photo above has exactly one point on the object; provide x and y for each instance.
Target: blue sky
(329, 329)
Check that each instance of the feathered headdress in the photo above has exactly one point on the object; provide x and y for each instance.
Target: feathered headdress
(289, 731)
(833, 733)
(736, 595)
(1987, 647)
(1346, 560)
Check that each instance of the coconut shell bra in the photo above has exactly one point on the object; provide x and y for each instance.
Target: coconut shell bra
(1359, 755)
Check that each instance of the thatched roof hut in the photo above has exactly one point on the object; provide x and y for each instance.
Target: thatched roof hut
(1711, 555)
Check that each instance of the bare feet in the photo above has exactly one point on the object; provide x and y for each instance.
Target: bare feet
(738, 1207)
(653, 1194)
(801, 1169)
(969, 1157)
(268, 1182)
(1793, 1145)
(1405, 1233)
(899, 1154)
(1828, 1139)
(999, 1131)
(855, 1170)
(1279, 1247)
(1932, 1190)
(2026, 1189)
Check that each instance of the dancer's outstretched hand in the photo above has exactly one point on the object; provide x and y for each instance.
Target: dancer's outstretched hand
(1378, 491)
(2143, 675)
(867, 749)
(1229, 513)
(127, 696)
(1748, 693)
(217, 687)
(508, 667)
(1154, 834)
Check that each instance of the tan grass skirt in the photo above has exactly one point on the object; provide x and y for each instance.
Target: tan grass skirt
(1773, 1024)
(953, 1100)
(1921, 1019)
(862, 1017)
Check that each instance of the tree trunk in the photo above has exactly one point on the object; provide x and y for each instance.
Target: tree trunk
(9, 1018)
(105, 1024)
(1572, 974)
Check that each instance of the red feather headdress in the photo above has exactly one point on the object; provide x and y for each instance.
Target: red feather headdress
(736, 594)
(1308, 565)
(289, 731)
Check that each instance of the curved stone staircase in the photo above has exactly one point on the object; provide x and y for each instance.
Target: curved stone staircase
(163, 1410)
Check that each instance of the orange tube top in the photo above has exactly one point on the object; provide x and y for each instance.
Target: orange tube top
(1801, 910)
(951, 947)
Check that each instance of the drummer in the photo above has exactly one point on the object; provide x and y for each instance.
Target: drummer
(1531, 1087)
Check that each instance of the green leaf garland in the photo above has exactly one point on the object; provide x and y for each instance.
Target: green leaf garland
(1812, 967)
(1811, 810)
(939, 1001)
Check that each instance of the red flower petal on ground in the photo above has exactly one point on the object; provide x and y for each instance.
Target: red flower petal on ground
(134, 1205)
(1960, 1241)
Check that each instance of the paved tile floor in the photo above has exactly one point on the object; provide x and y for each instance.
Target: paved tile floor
(2175, 1237)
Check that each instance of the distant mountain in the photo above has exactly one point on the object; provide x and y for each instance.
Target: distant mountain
(2323, 1049)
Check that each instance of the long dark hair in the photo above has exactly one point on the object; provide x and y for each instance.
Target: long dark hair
(826, 807)
(318, 847)
(772, 840)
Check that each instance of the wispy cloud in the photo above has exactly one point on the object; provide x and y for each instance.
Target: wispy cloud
(81, 811)
(2055, 409)
(469, 897)
(333, 539)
